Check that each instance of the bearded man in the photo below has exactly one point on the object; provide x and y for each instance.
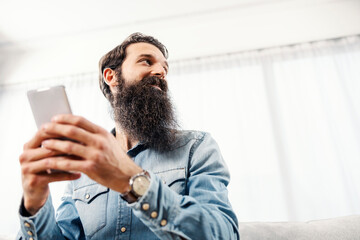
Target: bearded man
(145, 180)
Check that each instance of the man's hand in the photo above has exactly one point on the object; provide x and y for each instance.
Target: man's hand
(98, 153)
(35, 172)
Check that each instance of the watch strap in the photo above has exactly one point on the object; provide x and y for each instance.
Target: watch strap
(129, 197)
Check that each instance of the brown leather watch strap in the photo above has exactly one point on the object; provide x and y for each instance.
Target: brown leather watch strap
(129, 197)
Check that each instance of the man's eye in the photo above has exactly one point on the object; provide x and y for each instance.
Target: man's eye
(147, 61)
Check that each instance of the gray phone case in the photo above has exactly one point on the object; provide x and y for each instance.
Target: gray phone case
(48, 102)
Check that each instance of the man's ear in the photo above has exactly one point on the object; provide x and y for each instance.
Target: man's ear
(110, 77)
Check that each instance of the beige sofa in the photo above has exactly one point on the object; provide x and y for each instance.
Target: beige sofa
(342, 228)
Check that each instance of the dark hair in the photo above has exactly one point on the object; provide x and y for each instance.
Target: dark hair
(115, 58)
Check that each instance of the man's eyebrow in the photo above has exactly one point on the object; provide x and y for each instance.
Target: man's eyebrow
(152, 56)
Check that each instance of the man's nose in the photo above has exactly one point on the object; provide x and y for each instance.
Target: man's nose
(158, 70)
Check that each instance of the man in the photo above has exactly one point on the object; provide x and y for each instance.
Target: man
(146, 180)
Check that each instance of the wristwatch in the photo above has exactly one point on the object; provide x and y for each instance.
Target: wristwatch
(139, 183)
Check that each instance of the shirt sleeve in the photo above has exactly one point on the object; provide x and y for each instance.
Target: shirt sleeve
(44, 224)
(204, 212)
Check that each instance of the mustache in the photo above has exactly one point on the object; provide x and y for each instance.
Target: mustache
(154, 81)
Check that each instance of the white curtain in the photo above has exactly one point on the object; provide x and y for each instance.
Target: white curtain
(287, 120)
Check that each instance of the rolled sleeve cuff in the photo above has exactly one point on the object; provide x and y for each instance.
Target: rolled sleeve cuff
(32, 224)
(156, 208)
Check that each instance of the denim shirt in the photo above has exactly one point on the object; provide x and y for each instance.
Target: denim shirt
(187, 199)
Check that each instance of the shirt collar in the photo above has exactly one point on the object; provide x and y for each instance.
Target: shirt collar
(139, 147)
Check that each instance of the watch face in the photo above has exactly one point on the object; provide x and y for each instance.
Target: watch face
(140, 185)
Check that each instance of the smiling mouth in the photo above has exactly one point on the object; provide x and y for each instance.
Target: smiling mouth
(157, 87)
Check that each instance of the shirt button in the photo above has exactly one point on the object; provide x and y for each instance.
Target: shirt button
(123, 229)
(87, 196)
(30, 233)
(154, 214)
(163, 222)
(145, 206)
(27, 224)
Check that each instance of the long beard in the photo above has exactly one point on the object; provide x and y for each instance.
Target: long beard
(146, 113)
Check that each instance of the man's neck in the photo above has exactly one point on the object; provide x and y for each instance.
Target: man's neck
(124, 140)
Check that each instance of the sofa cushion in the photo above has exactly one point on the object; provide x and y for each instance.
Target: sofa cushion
(341, 228)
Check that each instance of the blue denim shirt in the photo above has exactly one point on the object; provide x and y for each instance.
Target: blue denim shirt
(187, 198)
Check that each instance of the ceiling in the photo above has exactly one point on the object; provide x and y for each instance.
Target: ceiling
(38, 36)
(22, 20)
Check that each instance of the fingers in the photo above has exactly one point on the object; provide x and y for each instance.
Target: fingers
(63, 176)
(63, 163)
(36, 140)
(37, 153)
(79, 122)
(39, 180)
(67, 147)
(69, 131)
(77, 128)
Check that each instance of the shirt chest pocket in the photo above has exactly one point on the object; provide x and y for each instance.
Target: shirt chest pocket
(174, 178)
(91, 202)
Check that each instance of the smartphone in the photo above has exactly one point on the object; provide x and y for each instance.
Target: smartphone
(48, 102)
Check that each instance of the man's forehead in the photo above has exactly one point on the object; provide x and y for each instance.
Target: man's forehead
(139, 49)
